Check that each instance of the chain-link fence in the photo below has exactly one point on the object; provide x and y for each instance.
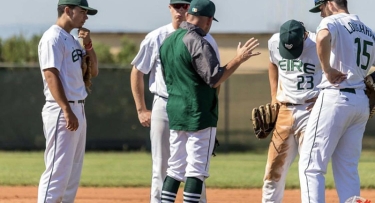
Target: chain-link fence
(112, 119)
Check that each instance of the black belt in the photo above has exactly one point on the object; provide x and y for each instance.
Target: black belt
(350, 90)
(290, 104)
(161, 96)
(79, 101)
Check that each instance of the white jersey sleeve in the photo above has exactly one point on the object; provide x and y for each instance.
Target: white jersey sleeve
(52, 53)
(352, 49)
(147, 54)
(273, 46)
(299, 77)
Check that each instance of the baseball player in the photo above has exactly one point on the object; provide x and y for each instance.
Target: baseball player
(147, 61)
(64, 120)
(294, 72)
(346, 50)
(192, 73)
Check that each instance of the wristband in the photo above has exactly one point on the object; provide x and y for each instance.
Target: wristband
(88, 46)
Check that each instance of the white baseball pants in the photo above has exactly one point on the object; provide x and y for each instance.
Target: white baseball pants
(334, 130)
(63, 156)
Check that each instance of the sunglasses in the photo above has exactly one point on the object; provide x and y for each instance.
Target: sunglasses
(178, 6)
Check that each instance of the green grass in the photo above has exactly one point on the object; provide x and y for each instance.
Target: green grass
(120, 169)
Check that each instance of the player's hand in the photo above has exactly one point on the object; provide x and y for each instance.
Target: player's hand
(84, 33)
(145, 118)
(312, 101)
(246, 51)
(334, 76)
(71, 120)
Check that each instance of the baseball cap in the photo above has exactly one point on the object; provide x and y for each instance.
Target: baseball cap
(291, 39)
(316, 8)
(81, 3)
(180, 2)
(202, 8)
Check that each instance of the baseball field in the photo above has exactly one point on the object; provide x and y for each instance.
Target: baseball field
(114, 177)
(124, 177)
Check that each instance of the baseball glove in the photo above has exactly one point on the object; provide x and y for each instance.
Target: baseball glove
(370, 92)
(264, 119)
(86, 71)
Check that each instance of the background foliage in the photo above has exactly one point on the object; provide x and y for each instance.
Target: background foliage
(21, 50)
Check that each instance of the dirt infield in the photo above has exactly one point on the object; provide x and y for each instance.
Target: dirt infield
(140, 195)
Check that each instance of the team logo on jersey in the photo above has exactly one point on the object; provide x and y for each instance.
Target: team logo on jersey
(288, 46)
(292, 65)
(76, 54)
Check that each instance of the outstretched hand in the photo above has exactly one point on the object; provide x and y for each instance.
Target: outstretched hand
(246, 51)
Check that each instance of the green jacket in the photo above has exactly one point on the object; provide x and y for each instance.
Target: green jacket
(190, 69)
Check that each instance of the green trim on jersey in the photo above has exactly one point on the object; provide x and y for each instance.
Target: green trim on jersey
(192, 103)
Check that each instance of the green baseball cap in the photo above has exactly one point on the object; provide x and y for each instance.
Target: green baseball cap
(81, 3)
(291, 39)
(316, 8)
(202, 8)
(180, 2)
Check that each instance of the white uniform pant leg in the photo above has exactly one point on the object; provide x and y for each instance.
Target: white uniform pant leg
(199, 148)
(203, 194)
(63, 155)
(283, 149)
(333, 113)
(274, 180)
(75, 177)
(177, 161)
(346, 157)
(159, 135)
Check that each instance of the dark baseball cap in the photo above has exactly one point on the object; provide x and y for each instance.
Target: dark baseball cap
(291, 39)
(202, 8)
(180, 2)
(81, 3)
(316, 8)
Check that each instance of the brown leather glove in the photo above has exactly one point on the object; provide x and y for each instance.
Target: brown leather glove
(264, 119)
(86, 71)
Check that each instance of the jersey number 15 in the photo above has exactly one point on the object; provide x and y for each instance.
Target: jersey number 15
(362, 52)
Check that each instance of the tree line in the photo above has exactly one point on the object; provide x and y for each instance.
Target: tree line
(21, 50)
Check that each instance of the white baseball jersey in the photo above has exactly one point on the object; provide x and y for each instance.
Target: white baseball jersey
(297, 77)
(59, 49)
(147, 59)
(359, 45)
